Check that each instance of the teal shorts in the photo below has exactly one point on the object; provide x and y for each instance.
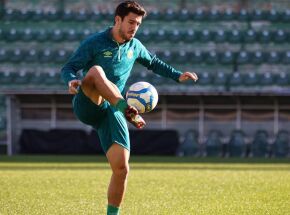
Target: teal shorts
(109, 123)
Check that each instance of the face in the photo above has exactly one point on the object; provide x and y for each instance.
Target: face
(128, 27)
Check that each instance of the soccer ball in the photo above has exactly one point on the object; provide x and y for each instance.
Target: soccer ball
(143, 96)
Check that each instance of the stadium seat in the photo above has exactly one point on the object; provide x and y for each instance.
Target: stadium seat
(280, 36)
(250, 36)
(205, 36)
(11, 15)
(27, 35)
(273, 58)
(37, 15)
(184, 15)
(154, 15)
(234, 36)
(286, 16)
(21, 77)
(282, 144)
(191, 36)
(181, 57)
(145, 36)
(205, 79)
(12, 35)
(286, 57)
(220, 79)
(199, 15)
(57, 35)
(258, 58)
(61, 56)
(71, 35)
(282, 79)
(85, 33)
(197, 57)
(95, 16)
(243, 15)
(17, 56)
(257, 15)
(267, 79)
(3, 55)
(243, 57)
(175, 36)
(220, 36)
(25, 15)
(5, 78)
(265, 36)
(31, 56)
(260, 143)
(273, 16)
(213, 15)
(213, 143)
(227, 58)
(67, 15)
(46, 56)
(82, 15)
(161, 35)
(229, 15)
(212, 58)
(235, 79)
(169, 15)
(237, 144)
(251, 79)
(190, 146)
(52, 15)
(41, 35)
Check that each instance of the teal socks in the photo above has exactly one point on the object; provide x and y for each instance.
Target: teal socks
(121, 105)
(111, 210)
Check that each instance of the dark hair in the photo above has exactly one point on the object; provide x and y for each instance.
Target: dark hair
(124, 8)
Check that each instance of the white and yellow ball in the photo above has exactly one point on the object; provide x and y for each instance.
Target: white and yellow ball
(143, 96)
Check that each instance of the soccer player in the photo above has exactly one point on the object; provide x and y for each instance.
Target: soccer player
(106, 60)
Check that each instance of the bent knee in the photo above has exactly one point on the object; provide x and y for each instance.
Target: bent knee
(121, 171)
(93, 73)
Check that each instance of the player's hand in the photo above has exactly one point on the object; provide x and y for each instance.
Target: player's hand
(188, 75)
(73, 86)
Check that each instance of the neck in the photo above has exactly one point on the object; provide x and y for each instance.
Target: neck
(115, 35)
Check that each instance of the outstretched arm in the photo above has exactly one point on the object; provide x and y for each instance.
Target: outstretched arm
(188, 75)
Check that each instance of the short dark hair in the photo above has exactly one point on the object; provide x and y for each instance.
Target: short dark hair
(124, 8)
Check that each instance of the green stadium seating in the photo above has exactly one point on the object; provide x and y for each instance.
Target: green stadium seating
(32, 56)
(267, 79)
(213, 143)
(237, 143)
(280, 36)
(184, 15)
(286, 16)
(251, 79)
(282, 79)
(226, 58)
(282, 144)
(250, 36)
(46, 56)
(229, 15)
(211, 58)
(41, 35)
(205, 79)
(213, 16)
(220, 36)
(273, 57)
(235, 36)
(235, 79)
(190, 145)
(265, 36)
(27, 35)
(57, 35)
(260, 143)
(258, 58)
(243, 16)
(220, 79)
(286, 57)
(273, 16)
(205, 36)
(243, 57)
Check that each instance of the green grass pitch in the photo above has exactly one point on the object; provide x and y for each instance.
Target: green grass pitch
(157, 185)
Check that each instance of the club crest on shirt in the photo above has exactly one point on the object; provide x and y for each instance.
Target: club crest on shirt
(108, 54)
(130, 54)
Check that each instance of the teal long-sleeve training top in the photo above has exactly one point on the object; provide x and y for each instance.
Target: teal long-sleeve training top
(116, 59)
